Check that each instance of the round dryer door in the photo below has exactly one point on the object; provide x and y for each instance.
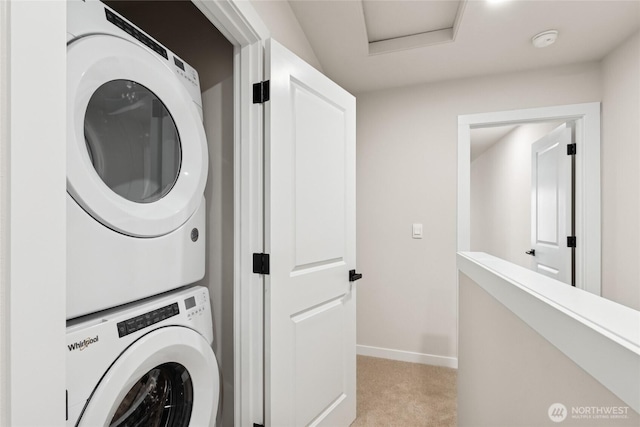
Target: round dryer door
(136, 150)
(168, 377)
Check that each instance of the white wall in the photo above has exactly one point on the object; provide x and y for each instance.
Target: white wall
(285, 28)
(501, 195)
(406, 173)
(621, 174)
(4, 214)
(33, 210)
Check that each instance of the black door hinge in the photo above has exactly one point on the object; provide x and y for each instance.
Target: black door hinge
(571, 241)
(571, 149)
(261, 92)
(261, 263)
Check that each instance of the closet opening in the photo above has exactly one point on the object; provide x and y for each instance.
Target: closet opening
(184, 29)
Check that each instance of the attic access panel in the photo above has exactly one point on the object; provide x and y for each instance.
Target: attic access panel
(398, 25)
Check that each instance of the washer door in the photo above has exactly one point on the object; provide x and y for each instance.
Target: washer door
(136, 150)
(169, 377)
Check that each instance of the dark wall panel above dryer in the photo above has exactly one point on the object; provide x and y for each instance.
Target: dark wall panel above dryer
(181, 27)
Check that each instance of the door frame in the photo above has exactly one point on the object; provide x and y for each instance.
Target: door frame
(587, 179)
(238, 21)
(32, 211)
(32, 331)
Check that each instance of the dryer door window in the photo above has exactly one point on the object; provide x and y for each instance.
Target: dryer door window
(137, 156)
(132, 140)
(162, 397)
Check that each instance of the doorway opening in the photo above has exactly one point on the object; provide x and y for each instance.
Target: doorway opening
(586, 128)
(522, 195)
(224, 40)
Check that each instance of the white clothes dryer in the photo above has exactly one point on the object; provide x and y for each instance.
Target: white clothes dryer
(149, 363)
(136, 164)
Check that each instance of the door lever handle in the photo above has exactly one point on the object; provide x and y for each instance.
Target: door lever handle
(353, 276)
(532, 252)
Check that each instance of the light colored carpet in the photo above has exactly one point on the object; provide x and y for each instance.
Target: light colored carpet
(402, 394)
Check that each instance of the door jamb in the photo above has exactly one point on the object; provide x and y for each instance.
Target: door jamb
(587, 190)
(239, 22)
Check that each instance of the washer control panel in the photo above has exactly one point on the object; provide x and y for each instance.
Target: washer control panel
(196, 305)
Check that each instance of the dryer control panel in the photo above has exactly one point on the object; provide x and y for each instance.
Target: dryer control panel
(186, 74)
(94, 17)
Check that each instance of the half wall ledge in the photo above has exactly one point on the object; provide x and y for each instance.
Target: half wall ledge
(600, 336)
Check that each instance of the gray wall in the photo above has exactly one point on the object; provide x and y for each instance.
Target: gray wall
(218, 120)
(509, 375)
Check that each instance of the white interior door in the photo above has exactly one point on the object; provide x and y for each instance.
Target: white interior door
(551, 204)
(310, 304)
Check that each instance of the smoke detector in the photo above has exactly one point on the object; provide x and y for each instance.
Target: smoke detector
(545, 38)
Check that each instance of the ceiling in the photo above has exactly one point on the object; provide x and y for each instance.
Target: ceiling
(382, 18)
(484, 138)
(367, 45)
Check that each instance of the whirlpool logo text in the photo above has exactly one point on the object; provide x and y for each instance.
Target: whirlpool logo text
(81, 345)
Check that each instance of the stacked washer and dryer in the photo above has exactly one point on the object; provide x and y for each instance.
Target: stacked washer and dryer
(138, 339)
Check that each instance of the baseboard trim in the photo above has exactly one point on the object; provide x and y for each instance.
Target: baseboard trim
(407, 356)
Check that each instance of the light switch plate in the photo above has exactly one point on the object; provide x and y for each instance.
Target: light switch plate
(417, 231)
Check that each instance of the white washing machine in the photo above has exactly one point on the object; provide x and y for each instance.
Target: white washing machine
(136, 164)
(149, 363)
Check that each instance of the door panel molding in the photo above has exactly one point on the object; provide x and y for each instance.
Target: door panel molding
(310, 371)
